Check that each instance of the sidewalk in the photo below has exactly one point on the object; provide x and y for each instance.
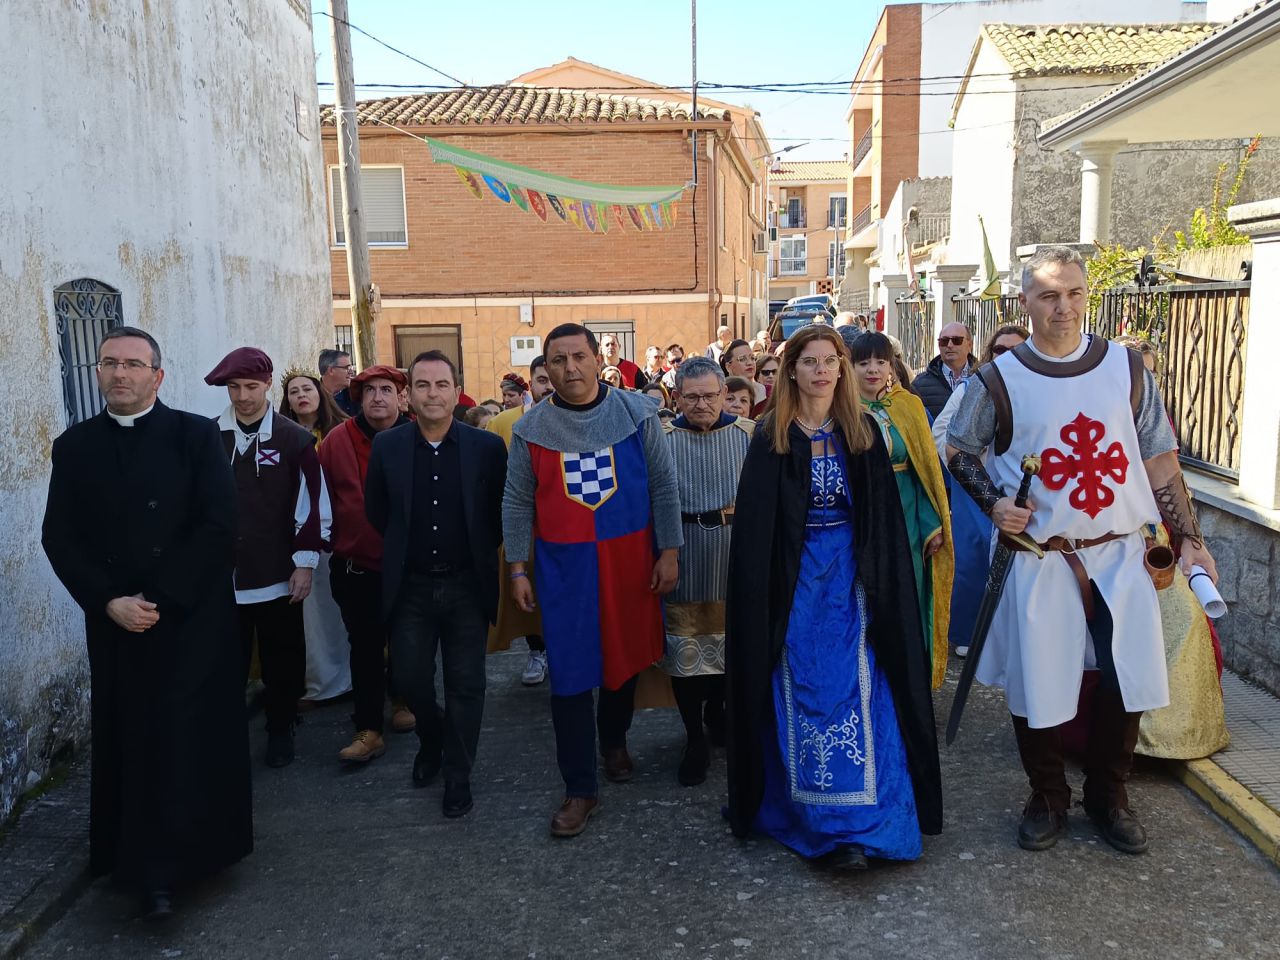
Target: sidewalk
(1242, 783)
(44, 859)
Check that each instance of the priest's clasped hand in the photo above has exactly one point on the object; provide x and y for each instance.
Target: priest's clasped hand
(134, 614)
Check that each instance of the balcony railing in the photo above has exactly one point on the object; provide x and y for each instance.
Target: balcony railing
(861, 221)
(862, 148)
(929, 228)
(1201, 331)
(789, 221)
(788, 267)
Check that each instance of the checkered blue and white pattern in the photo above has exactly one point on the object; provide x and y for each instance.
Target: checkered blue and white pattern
(588, 477)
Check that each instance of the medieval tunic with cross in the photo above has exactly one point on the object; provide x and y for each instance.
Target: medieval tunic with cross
(1093, 420)
(595, 486)
(708, 464)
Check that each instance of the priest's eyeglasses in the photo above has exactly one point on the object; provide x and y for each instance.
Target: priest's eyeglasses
(133, 366)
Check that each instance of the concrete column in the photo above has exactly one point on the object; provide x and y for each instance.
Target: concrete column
(1097, 164)
(1260, 431)
(945, 281)
(892, 286)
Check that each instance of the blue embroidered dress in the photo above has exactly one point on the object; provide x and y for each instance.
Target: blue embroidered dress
(835, 768)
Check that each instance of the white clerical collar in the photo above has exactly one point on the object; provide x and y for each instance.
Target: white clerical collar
(129, 419)
(1075, 354)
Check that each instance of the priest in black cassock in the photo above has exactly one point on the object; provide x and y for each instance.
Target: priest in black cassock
(140, 528)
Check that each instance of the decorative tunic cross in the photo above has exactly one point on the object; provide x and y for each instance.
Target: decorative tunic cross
(1090, 495)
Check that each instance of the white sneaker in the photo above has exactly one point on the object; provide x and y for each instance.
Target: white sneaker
(962, 652)
(535, 669)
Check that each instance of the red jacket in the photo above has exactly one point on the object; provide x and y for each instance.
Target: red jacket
(344, 455)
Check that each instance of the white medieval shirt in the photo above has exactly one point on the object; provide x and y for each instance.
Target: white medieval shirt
(1079, 414)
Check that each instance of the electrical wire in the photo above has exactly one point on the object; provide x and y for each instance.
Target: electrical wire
(380, 42)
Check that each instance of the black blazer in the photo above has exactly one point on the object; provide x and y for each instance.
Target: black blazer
(388, 503)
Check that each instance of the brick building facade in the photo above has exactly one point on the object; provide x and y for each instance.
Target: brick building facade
(484, 280)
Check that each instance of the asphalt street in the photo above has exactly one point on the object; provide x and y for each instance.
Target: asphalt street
(357, 863)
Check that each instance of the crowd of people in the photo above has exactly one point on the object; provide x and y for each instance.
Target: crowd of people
(782, 541)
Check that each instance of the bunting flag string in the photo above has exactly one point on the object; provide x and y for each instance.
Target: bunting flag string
(580, 203)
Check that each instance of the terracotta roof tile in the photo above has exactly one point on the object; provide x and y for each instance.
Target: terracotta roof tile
(1081, 48)
(799, 171)
(518, 104)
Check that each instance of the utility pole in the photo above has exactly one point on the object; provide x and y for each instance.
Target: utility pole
(358, 279)
(694, 118)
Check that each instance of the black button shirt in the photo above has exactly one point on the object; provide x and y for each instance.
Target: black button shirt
(437, 529)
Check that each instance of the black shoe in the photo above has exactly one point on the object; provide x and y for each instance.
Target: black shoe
(694, 763)
(1121, 829)
(425, 766)
(457, 798)
(279, 749)
(847, 859)
(1041, 827)
(159, 905)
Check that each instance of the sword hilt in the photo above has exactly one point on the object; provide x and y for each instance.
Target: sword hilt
(1030, 467)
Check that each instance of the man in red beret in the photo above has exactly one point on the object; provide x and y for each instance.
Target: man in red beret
(283, 524)
(356, 571)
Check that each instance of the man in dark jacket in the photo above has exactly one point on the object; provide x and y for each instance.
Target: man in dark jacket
(434, 492)
(140, 528)
(946, 371)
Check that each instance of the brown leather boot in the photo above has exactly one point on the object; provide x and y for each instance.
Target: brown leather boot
(618, 767)
(571, 819)
(402, 718)
(367, 745)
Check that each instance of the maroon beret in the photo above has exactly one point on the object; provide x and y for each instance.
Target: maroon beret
(379, 370)
(242, 363)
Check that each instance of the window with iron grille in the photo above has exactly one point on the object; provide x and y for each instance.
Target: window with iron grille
(342, 337)
(85, 309)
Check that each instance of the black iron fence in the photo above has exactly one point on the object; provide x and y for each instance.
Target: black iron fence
(861, 220)
(1200, 332)
(915, 330)
(984, 317)
(862, 148)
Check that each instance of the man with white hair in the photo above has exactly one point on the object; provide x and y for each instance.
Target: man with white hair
(724, 337)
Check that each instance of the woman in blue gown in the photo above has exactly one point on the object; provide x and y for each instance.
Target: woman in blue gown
(832, 749)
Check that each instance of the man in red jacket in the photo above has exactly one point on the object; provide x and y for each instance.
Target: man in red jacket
(356, 569)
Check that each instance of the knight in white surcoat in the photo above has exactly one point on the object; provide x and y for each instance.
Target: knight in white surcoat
(1109, 466)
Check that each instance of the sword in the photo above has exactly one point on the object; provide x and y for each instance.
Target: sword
(991, 599)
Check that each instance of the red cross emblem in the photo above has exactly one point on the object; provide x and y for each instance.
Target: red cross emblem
(1086, 463)
(268, 458)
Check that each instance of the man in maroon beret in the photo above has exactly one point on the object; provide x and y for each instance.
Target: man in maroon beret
(283, 524)
(356, 571)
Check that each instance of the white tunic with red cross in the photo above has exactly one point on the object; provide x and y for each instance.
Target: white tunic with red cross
(1092, 482)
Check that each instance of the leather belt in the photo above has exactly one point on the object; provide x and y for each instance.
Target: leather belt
(711, 519)
(1067, 547)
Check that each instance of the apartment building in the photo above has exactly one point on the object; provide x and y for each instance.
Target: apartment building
(809, 209)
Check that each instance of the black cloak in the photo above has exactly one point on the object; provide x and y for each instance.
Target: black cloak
(151, 509)
(764, 563)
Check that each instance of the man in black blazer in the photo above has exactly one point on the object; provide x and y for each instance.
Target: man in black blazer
(434, 492)
(140, 527)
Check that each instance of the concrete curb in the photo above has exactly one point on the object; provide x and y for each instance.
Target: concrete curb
(1233, 801)
(42, 907)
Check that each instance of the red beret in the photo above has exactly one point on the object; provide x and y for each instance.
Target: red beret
(378, 371)
(242, 363)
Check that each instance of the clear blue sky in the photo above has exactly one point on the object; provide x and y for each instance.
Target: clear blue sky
(750, 41)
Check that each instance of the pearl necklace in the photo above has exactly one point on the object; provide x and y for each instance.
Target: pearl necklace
(820, 429)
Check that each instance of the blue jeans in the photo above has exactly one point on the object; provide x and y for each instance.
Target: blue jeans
(444, 613)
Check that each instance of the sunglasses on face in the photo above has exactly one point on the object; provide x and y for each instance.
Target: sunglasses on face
(1000, 348)
(953, 341)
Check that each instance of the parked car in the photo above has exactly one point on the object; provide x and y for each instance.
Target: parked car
(775, 306)
(820, 298)
(791, 319)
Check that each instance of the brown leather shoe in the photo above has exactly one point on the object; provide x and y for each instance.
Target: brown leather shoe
(618, 767)
(571, 819)
(367, 745)
(402, 719)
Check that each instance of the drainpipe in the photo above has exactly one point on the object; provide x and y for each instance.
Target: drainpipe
(713, 230)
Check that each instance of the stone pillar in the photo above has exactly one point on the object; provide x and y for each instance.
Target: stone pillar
(1260, 434)
(892, 286)
(1098, 161)
(945, 281)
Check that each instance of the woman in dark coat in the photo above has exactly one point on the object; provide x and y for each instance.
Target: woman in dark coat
(832, 745)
